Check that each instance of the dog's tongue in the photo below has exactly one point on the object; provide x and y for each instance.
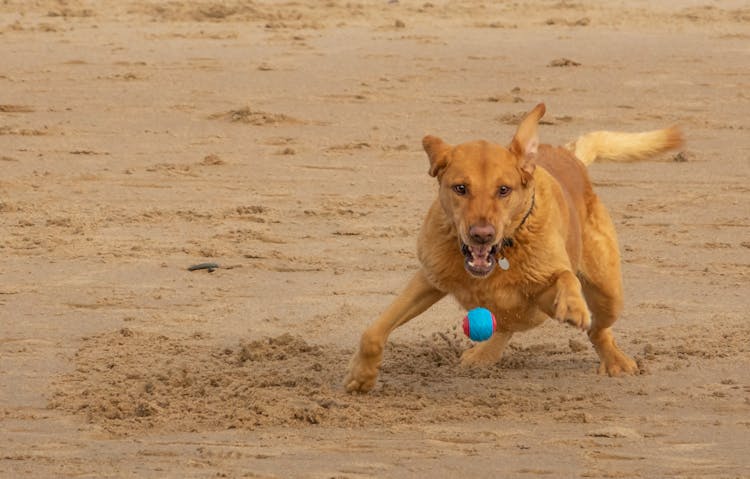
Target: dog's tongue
(480, 256)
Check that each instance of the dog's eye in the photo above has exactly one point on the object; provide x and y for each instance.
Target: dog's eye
(503, 191)
(460, 189)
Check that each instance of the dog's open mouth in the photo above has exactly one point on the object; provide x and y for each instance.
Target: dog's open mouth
(479, 260)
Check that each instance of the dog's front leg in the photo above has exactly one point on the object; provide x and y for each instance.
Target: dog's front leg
(418, 295)
(563, 300)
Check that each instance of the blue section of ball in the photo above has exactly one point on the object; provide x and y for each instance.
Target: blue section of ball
(481, 324)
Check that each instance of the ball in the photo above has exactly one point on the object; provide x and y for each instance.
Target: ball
(479, 324)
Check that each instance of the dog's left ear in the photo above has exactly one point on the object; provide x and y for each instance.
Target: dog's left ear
(437, 151)
(525, 143)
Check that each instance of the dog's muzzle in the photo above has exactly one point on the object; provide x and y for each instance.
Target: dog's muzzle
(479, 260)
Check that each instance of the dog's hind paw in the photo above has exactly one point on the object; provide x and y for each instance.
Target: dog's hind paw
(478, 356)
(616, 363)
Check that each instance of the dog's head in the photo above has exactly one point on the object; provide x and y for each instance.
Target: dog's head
(486, 189)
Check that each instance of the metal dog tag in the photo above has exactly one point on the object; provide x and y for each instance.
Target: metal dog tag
(503, 263)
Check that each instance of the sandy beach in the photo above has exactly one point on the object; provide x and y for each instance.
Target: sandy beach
(282, 141)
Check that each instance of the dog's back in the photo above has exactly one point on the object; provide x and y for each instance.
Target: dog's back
(569, 172)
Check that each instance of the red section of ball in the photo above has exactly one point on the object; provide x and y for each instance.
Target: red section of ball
(466, 325)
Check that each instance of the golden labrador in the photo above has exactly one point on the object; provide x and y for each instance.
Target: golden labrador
(519, 231)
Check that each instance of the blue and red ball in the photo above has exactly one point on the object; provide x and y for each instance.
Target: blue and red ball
(479, 324)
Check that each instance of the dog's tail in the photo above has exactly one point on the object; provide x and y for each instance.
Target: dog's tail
(618, 146)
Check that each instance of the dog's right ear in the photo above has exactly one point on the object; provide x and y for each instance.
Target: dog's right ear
(437, 151)
(525, 143)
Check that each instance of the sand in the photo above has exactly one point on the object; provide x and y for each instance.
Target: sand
(281, 140)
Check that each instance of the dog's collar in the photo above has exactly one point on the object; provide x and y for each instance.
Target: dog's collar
(507, 242)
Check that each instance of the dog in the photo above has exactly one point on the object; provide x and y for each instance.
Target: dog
(520, 231)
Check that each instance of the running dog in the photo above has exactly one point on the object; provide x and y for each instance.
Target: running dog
(520, 231)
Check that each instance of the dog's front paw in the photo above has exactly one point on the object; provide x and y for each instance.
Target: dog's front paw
(363, 372)
(572, 309)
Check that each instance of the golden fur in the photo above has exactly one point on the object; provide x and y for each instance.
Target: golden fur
(618, 146)
(534, 206)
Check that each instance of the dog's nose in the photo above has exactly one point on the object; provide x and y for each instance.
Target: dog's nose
(482, 234)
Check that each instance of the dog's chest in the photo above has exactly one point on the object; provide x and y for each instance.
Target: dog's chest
(509, 303)
(508, 294)
(501, 290)
(493, 293)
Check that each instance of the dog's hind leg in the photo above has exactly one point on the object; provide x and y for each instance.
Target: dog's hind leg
(418, 295)
(602, 287)
(488, 352)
